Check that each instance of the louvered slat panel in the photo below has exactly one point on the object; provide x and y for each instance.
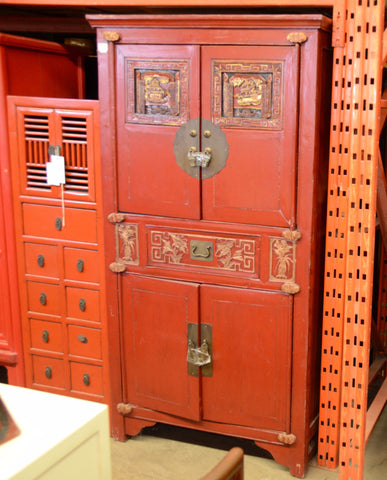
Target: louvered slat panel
(74, 138)
(36, 131)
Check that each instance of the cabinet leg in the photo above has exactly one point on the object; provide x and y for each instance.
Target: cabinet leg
(287, 456)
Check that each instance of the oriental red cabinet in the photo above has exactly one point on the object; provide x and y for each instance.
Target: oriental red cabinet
(59, 242)
(214, 165)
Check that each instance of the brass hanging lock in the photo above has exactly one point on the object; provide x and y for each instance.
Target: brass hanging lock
(200, 148)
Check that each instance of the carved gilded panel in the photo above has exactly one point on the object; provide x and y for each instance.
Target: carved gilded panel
(247, 94)
(221, 253)
(127, 244)
(157, 91)
(282, 260)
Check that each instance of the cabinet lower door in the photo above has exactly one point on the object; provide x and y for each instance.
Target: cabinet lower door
(155, 320)
(251, 356)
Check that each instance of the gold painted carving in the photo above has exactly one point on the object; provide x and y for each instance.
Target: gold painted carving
(282, 261)
(247, 94)
(124, 408)
(287, 438)
(126, 245)
(233, 254)
(297, 37)
(157, 91)
(236, 254)
(110, 36)
(168, 247)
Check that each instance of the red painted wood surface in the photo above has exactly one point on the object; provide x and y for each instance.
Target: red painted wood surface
(59, 242)
(178, 3)
(51, 72)
(157, 245)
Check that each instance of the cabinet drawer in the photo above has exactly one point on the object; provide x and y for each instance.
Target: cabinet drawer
(81, 265)
(48, 371)
(42, 260)
(83, 303)
(46, 335)
(85, 342)
(46, 221)
(86, 378)
(44, 298)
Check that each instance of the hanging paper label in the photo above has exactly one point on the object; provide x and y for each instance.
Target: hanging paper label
(55, 170)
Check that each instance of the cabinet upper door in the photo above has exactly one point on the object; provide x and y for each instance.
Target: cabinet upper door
(157, 91)
(250, 92)
(177, 104)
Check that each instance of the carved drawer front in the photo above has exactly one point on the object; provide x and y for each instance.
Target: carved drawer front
(85, 342)
(47, 221)
(48, 371)
(46, 335)
(42, 260)
(86, 378)
(83, 303)
(81, 265)
(44, 298)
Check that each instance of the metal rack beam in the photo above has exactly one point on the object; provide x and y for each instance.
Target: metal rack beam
(353, 167)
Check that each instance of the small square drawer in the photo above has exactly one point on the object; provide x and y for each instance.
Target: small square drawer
(81, 265)
(86, 378)
(46, 335)
(47, 221)
(42, 260)
(48, 371)
(44, 298)
(82, 303)
(85, 342)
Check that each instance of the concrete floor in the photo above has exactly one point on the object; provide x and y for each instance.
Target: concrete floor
(167, 453)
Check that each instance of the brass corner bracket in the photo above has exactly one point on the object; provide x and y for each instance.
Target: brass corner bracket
(291, 235)
(111, 36)
(287, 438)
(117, 267)
(124, 408)
(116, 217)
(297, 37)
(291, 288)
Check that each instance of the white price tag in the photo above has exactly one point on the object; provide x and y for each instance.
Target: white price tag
(55, 170)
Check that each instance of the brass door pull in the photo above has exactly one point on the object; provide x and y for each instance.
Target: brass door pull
(198, 356)
(195, 253)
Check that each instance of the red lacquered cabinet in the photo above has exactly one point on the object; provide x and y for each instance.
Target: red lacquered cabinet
(214, 168)
(59, 244)
(27, 67)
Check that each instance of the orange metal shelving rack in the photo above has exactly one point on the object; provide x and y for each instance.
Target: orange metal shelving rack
(353, 172)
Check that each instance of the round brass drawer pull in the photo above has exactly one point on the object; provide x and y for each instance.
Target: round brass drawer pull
(48, 372)
(86, 379)
(82, 338)
(80, 265)
(41, 261)
(82, 304)
(45, 336)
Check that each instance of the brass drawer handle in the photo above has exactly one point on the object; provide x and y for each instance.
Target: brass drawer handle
(58, 223)
(82, 304)
(45, 336)
(80, 265)
(86, 379)
(43, 298)
(41, 260)
(82, 338)
(48, 372)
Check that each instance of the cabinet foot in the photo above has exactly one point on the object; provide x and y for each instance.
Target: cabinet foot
(133, 426)
(287, 456)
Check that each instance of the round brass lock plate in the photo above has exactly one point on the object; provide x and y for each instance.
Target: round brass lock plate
(204, 155)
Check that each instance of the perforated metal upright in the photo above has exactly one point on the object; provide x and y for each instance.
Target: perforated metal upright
(358, 27)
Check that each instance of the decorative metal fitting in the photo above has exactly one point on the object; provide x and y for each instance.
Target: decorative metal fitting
(287, 438)
(115, 217)
(297, 37)
(117, 267)
(111, 36)
(124, 408)
(291, 288)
